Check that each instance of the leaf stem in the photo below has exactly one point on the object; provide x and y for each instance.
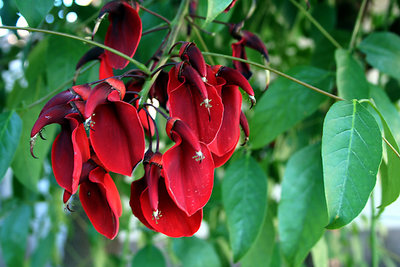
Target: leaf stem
(278, 73)
(316, 24)
(139, 65)
(374, 251)
(357, 25)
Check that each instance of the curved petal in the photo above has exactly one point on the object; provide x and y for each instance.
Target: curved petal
(100, 200)
(55, 114)
(117, 137)
(221, 160)
(189, 181)
(229, 133)
(137, 188)
(105, 69)
(123, 33)
(59, 99)
(187, 104)
(97, 96)
(239, 51)
(169, 219)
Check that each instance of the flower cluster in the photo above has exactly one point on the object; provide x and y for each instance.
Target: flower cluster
(104, 125)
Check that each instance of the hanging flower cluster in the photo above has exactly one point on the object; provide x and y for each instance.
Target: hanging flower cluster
(104, 124)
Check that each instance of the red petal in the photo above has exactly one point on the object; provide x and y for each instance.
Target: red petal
(97, 96)
(239, 51)
(101, 202)
(117, 137)
(93, 54)
(229, 133)
(59, 99)
(189, 181)
(221, 160)
(55, 114)
(253, 41)
(190, 52)
(170, 220)
(145, 122)
(105, 70)
(187, 104)
(82, 90)
(124, 32)
(137, 189)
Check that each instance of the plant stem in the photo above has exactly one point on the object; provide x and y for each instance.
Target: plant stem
(141, 66)
(316, 24)
(176, 25)
(155, 14)
(374, 251)
(357, 25)
(278, 73)
(203, 44)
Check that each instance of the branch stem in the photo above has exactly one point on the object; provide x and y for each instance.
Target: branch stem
(139, 65)
(278, 73)
(357, 25)
(316, 24)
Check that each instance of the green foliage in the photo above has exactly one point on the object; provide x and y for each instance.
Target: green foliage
(195, 252)
(14, 234)
(216, 7)
(287, 103)
(302, 212)
(383, 52)
(244, 194)
(149, 256)
(10, 133)
(351, 155)
(33, 11)
(350, 78)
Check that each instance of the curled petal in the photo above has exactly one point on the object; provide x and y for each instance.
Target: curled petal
(55, 114)
(193, 78)
(253, 41)
(93, 54)
(221, 160)
(123, 33)
(59, 99)
(189, 175)
(190, 52)
(137, 189)
(105, 69)
(83, 90)
(100, 200)
(97, 96)
(245, 127)
(229, 133)
(169, 219)
(239, 51)
(117, 137)
(118, 85)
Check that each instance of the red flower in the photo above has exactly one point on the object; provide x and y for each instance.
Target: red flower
(123, 33)
(97, 53)
(195, 102)
(188, 168)
(153, 206)
(116, 133)
(100, 200)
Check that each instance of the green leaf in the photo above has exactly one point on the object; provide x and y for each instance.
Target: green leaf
(216, 7)
(10, 133)
(350, 77)
(63, 54)
(383, 52)
(149, 256)
(387, 109)
(286, 103)
(390, 167)
(14, 234)
(260, 254)
(244, 195)
(33, 11)
(351, 155)
(302, 213)
(27, 169)
(319, 253)
(195, 252)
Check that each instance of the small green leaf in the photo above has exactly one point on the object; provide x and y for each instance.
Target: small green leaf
(216, 7)
(195, 252)
(10, 133)
(34, 11)
(14, 233)
(260, 254)
(244, 194)
(302, 213)
(351, 155)
(63, 54)
(350, 77)
(43, 252)
(149, 256)
(286, 103)
(383, 52)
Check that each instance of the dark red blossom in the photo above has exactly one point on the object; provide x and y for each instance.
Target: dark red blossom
(97, 53)
(123, 33)
(188, 168)
(100, 200)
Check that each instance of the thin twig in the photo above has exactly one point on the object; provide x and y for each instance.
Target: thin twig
(156, 14)
(155, 30)
(278, 73)
(357, 24)
(316, 24)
